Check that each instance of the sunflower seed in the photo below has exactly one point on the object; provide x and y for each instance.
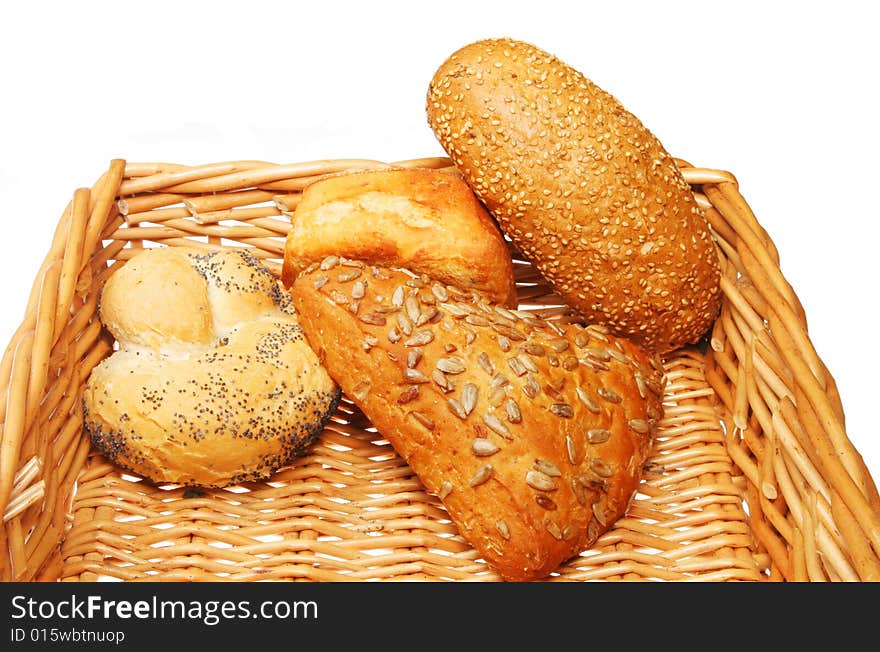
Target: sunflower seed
(456, 310)
(445, 489)
(581, 339)
(509, 333)
(531, 387)
(639, 425)
(476, 320)
(598, 353)
(600, 467)
(545, 501)
(412, 308)
(440, 292)
(540, 480)
(481, 475)
(580, 493)
(592, 530)
(503, 530)
(442, 380)
(320, 282)
(329, 262)
(496, 426)
(598, 435)
(497, 396)
(596, 365)
(484, 447)
(547, 467)
(556, 328)
(423, 419)
(655, 387)
(505, 313)
(514, 415)
(503, 343)
(568, 531)
(420, 338)
(409, 394)
(592, 483)
(393, 336)
(413, 357)
(609, 395)
(517, 366)
(451, 365)
(592, 405)
(498, 380)
(597, 332)
(456, 408)
(485, 363)
(354, 306)
(469, 394)
(414, 376)
(554, 530)
(405, 323)
(358, 290)
(450, 347)
(361, 390)
(563, 410)
(532, 348)
(348, 275)
(372, 318)
(618, 355)
(575, 455)
(599, 513)
(570, 363)
(559, 345)
(526, 362)
(397, 296)
(640, 385)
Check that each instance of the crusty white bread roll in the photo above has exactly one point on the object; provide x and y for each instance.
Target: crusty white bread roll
(583, 189)
(426, 220)
(213, 382)
(532, 433)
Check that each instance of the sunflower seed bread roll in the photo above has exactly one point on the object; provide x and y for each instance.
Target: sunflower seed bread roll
(532, 433)
(425, 220)
(585, 191)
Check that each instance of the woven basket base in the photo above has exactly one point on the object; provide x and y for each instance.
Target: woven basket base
(352, 510)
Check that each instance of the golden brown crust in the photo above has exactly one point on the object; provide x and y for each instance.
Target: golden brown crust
(426, 220)
(228, 400)
(583, 189)
(532, 434)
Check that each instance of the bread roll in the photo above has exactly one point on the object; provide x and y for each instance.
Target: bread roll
(213, 382)
(583, 189)
(532, 433)
(426, 220)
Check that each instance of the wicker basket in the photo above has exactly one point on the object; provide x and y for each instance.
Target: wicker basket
(752, 478)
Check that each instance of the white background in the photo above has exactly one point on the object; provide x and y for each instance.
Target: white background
(784, 95)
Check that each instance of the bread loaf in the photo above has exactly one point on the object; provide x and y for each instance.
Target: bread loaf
(532, 433)
(426, 220)
(583, 189)
(213, 382)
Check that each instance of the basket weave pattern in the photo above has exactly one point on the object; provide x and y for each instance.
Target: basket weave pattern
(752, 476)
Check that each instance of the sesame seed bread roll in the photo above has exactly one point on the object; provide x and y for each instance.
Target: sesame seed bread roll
(213, 382)
(532, 433)
(425, 220)
(583, 189)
